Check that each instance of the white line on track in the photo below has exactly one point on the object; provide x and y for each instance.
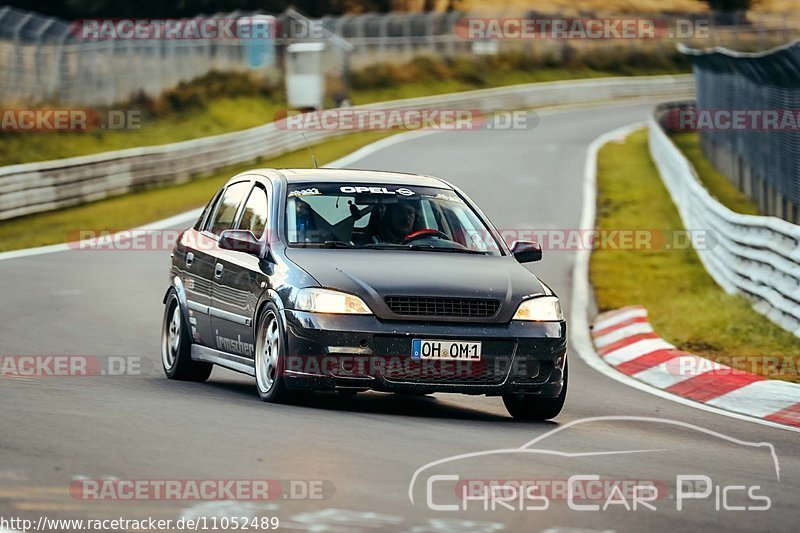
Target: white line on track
(187, 216)
(580, 336)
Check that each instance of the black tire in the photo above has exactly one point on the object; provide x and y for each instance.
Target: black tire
(176, 346)
(270, 360)
(531, 407)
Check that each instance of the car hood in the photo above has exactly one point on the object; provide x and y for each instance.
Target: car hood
(375, 274)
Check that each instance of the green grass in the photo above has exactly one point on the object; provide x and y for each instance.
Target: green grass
(686, 306)
(231, 114)
(501, 79)
(136, 209)
(717, 184)
(223, 115)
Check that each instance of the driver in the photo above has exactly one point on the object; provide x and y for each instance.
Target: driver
(397, 222)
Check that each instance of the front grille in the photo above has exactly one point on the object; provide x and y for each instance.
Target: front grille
(455, 372)
(443, 307)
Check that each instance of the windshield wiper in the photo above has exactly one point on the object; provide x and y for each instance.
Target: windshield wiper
(450, 250)
(325, 244)
(425, 248)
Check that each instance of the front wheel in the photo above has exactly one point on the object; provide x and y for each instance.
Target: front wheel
(531, 407)
(176, 346)
(270, 357)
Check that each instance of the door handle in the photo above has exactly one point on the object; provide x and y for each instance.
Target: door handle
(218, 270)
(189, 259)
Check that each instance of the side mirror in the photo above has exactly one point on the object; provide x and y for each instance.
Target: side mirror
(526, 252)
(242, 240)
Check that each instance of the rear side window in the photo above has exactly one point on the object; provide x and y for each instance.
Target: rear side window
(254, 217)
(198, 225)
(227, 207)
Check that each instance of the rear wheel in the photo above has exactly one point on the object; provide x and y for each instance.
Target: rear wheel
(270, 357)
(531, 407)
(176, 346)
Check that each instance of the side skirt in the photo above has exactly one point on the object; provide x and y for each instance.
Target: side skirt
(230, 361)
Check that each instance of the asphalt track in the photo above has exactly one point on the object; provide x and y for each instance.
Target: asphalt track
(108, 303)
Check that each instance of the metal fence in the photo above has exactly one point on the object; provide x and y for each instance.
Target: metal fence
(398, 37)
(763, 161)
(44, 59)
(757, 256)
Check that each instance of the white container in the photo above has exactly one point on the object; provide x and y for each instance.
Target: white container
(305, 77)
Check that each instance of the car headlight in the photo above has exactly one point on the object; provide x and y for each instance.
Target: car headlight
(330, 301)
(543, 309)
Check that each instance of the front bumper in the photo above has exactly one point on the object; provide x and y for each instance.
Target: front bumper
(329, 352)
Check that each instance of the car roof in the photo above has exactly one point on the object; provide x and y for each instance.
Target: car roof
(319, 175)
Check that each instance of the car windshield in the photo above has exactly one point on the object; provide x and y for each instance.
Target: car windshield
(384, 216)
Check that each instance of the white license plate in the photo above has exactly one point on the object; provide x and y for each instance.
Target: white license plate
(452, 350)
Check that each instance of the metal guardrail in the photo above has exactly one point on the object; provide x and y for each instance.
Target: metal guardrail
(757, 256)
(35, 187)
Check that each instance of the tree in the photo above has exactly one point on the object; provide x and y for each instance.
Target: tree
(729, 5)
(75, 9)
(730, 12)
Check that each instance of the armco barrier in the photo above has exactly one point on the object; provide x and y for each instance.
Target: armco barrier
(42, 186)
(756, 256)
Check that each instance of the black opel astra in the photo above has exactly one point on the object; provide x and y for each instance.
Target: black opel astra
(354, 280)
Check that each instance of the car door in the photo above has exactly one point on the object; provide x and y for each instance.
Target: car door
(206, 250)
(194, 265)
(239, 281)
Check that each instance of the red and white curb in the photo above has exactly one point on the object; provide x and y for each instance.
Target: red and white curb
(625, 340)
